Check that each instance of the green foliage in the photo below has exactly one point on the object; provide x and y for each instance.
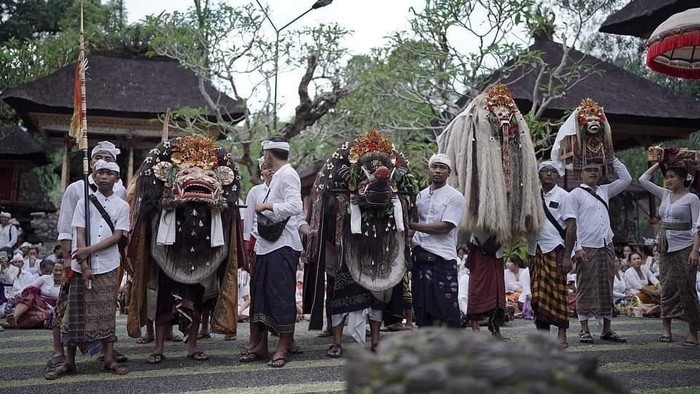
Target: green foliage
(38, 38)
(518, 248)
(47, 176)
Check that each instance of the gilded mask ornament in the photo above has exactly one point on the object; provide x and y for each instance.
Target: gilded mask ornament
(193, 173)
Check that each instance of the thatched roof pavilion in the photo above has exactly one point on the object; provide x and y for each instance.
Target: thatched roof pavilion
(125, 96)
(639, 18)
(17, 144)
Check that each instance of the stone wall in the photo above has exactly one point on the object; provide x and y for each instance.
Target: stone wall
(43, 228)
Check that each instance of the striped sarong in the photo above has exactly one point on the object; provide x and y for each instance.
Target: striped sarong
(594, 283)
(549, 290)
(90, 317)
(679, 300)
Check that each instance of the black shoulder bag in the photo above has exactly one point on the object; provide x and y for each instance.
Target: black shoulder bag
(551, 219)
(268, 229)
(124, 240)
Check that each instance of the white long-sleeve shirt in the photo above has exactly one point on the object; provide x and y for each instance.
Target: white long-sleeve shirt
(8, 236)
(285, 196)
(69, 201)
(107, 259)
(521, 280)
(634, 282)
(684, 210)
(619, 287)
(592, 219)
(256, 194)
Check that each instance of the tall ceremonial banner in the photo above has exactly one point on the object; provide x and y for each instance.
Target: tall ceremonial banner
(78, 125)
(585, 138)
(494, 166)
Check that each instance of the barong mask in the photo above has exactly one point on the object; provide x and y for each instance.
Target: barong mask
(494, 166)
(584, 138)
(193, 173)
(360, 203)
(191, 186)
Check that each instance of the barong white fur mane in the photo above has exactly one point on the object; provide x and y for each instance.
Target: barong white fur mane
(479, 176)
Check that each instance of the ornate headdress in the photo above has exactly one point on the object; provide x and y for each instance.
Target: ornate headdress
(499, 95)
(590, 107)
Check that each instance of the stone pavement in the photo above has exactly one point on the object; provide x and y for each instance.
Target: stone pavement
(645, 364)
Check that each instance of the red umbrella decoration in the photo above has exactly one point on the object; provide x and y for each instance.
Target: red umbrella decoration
(674, 47)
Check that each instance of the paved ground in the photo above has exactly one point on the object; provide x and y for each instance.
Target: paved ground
(645, 364)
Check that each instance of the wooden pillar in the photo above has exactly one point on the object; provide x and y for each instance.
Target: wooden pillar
(130, 165)
(65, 167)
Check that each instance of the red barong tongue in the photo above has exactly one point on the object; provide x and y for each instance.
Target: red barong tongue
(382, 173)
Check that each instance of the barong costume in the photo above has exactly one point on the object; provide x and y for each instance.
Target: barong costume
(359, 219)
(187, 237)
(496, 170)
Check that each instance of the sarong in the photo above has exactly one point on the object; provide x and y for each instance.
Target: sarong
(273, 290)
(90, 317)
(61, 305)
(487, 286)
(348, 295)
(595, 278)
(435, 290)
(549, 290)
(679, 300)
(40, 308)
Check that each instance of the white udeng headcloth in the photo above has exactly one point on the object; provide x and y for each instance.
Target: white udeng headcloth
(106, 147)
(275, 145)
(551, 164)
(106, 165)
(440, 158)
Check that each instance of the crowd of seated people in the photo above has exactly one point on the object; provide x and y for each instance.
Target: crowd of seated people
(30, 285)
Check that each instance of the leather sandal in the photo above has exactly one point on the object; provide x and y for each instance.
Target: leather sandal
(60, 371)
(335, 350)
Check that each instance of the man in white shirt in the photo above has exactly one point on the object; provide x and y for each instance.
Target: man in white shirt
(273, 283)
(8, 232)
(87, 323)
(546, 256)
(589, 235)
(106, 151)
(440, 208)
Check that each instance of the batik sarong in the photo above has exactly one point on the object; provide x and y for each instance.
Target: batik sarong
(90, 317)
(549, 290)
(435, 287)
(595, 278)
(679, 300)
(273, 290)
(40, 308)
(487, 286)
